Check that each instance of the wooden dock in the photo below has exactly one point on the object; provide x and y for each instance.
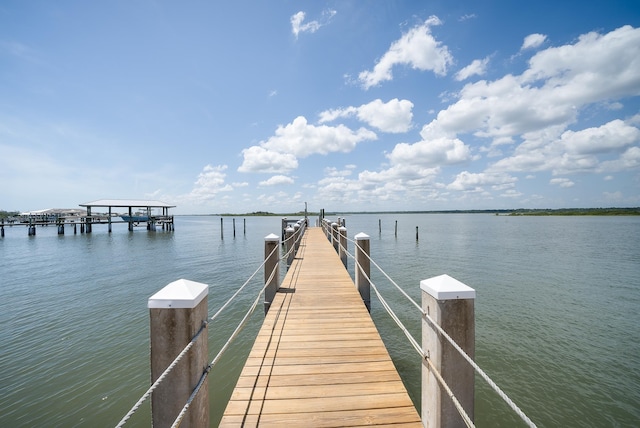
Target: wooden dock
(318, 360)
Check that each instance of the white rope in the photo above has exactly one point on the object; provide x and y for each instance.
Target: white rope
(224, 348)
(467, 421)
(477, 368)
(481, 372)
(161, 377)
(228, 302)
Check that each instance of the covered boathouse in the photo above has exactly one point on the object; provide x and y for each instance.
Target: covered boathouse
(135, 212)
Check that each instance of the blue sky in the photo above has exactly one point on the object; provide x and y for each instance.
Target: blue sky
(244, 106)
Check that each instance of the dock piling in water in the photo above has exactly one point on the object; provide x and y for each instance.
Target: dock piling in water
(363, 268)
(271, 266)
(450, 303)
(178, 313)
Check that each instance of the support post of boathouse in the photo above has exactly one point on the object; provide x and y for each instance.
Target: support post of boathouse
(450, 304)
(178, 313)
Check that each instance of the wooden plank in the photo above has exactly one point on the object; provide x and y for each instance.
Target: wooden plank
(318, 359)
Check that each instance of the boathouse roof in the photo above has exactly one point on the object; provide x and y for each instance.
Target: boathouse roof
(137, 203)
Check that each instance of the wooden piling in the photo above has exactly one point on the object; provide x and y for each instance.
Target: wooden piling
(416, 233)
(221, 228)
(272, 264)
(396, 231)
(342, 248)
(289, 244)
(234, 227)
(334, 236)
(177, 313)
(363, 268)
(450, 304)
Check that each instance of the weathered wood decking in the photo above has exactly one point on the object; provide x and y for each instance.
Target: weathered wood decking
(318, 360)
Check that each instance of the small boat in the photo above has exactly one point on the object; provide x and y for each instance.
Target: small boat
(135, 218)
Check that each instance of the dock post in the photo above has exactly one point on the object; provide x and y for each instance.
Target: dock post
(288, 239)
(343, 245)
(2, 229)
(177, 313)
(363, 268)
(272, 263)
(450, 304)
(221, 228)
(234, 227)
(297, 230)
(334, 235)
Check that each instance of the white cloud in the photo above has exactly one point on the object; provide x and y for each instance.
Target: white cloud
(416, 48)
(532, 41)
(298, 26)
(576, 151)
(393, 116)
(259, 159)
(550, 93)
(477, 67)
(562, 182)
(300, 139)
(276, 180)
(467, 181)
(210, 182)
(429, 153)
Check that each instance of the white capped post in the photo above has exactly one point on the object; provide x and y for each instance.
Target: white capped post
(363, 268)
(342, 248)
(450, 304)
(272, 263)
(177, 313)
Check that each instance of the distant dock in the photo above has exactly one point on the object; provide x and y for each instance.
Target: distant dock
(151, 214)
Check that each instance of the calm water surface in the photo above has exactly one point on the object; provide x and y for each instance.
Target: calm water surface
(557, 311)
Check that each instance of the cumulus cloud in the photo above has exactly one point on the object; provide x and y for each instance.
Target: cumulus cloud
(430, 153)
(575, 151)
(477, 67)
(417, 48)
(467, 181)
(394, 116)
(299, 26)
(210, 182)
(300, 139)
(533, 41)
(260, 159)
(276, 180)
(562, 182)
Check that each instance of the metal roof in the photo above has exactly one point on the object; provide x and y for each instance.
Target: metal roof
(137, 203)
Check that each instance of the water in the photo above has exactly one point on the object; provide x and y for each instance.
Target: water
(556, 311)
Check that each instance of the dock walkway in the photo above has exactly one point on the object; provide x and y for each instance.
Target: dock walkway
(318, 360)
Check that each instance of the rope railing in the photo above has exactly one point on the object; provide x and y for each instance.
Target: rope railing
(220, 353)
(164, 374)
(296, 237)
(186, 349)
(418, 348)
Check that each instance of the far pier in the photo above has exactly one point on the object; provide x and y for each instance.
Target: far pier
(151, 214)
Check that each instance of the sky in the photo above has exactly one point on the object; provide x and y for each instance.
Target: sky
(242, 106)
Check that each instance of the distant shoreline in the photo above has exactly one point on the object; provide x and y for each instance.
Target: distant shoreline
(504, 212)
